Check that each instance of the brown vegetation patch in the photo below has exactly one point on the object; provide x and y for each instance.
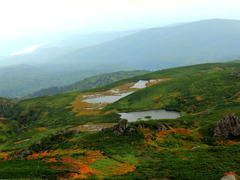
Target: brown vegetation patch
(82, 108)
(21, 141)
(157, 97)
(93, 127)
(3, 154)
(155, 81)
(41, 128)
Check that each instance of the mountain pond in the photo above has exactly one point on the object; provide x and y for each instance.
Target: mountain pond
(151, 114)
(130, 116)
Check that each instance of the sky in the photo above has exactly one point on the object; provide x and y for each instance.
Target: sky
(19, 17)
(35, 22)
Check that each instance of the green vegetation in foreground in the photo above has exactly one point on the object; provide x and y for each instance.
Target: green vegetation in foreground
(178, 153)
(186, 151)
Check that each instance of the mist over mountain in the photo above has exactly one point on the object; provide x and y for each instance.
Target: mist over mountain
(56, 46)
(156, 48)
(66, 61)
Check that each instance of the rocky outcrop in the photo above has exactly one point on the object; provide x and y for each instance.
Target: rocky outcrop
(161, 127)
(20, 154)
(207, 112)
(235, 73)
(228, 177)
(121, 126)
(229, 124)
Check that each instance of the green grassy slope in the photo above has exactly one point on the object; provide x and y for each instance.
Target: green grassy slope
(198, 92)
(186, 151)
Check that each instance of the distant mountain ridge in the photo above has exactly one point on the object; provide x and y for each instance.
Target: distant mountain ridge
(214, 40)
(202, 41)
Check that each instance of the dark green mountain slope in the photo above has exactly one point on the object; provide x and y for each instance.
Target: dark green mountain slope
(5, 105)
(25, 79)
(88, 83)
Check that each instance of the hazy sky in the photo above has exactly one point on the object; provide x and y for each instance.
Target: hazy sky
(18, 17)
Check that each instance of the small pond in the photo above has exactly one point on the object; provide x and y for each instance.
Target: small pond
(140, 84)
(107, 99)
(155, 114)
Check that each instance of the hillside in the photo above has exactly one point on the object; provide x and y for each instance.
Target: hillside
(46, 134)
(5, 105)
(23, 80)
(88, 83)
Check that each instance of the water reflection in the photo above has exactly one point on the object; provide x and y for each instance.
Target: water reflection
(107, 99)
(155, 114)
(140, 84)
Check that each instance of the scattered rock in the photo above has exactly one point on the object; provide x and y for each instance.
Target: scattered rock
(131, 130)
(63, 131)
(235, 73)
(192, 110)
(161, 127)
(229, 124)
(75, 131)
(20, 154)
(39, 142)
(104, 129)
(19, 130)
(121, 126)
(207, 112)
(228, 177)
(141, 126)
(185, 122)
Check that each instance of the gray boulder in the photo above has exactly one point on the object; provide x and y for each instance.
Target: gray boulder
(161, 127)
(121, 126)
(235, 73)
(229, 124)
(228, 177)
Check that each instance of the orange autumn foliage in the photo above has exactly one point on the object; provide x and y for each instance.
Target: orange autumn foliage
(155, 98)
(71, 140)
(179, 130)
(50, 160)
(120, 169)
(230, 173)
(227, 142)
(198, 98)
(75, 176)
